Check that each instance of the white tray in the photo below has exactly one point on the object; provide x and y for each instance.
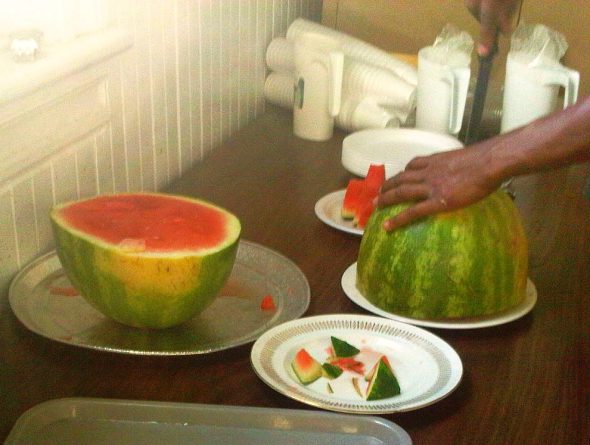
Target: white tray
(123, 422)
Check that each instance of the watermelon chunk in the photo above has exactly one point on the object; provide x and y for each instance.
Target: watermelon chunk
(306, 368)
(357, 386)
(365, 209)
(331, 371)
(352, 198)
(360, 195)
(375, 177)
(342, 348)
(349, 364)
(383, 383)
(268, 303)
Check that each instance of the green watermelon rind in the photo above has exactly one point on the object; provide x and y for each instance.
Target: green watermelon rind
(160, 306)
(383, 383)
(471, 262)
(331, 371)
(342, 348)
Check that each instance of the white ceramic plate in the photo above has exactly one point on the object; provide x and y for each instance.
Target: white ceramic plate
(393, 147)
(327, 209)
(349, 286)
(426, 367)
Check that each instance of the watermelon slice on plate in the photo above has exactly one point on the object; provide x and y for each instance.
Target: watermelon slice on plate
(352, 198)
(382, 381)
(358, 203)
(306, 368)
(375, 178)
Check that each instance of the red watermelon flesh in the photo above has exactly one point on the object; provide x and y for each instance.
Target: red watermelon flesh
(146, 259)
(148, 222)
(352, 198)
(365, 209)
(375, 177)
(360, 195)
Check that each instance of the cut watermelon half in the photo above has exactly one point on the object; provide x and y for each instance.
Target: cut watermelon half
(146, 259)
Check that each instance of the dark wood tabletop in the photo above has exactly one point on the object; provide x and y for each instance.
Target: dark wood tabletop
(524, 382)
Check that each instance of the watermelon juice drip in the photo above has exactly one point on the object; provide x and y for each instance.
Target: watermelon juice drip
(156, 223)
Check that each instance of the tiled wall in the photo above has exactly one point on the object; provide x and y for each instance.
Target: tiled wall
(193, 76)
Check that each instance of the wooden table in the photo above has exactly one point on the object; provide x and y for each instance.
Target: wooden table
(525, 382)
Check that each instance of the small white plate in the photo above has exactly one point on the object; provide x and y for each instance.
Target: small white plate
(328, 208)
(393, 147)
(349, 286)
(427, 368)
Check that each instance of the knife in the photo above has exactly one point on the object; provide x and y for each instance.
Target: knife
(479, 94)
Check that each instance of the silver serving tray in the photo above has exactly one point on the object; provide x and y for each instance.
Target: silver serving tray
(234, 318)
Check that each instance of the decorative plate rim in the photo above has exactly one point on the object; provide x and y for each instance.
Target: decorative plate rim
(450, 367)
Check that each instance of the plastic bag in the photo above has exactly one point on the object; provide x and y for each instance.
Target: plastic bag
(452, 46)
(537, 44)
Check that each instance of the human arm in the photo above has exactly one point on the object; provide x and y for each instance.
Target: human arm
(494, 16)
(457, 178)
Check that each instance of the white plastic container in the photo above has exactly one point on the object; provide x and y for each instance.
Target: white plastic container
(531, 91)
(319, 65)
(356, 48)
(442, 92)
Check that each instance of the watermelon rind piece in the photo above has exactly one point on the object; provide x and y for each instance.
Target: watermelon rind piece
(306, 368)
(469, 262)
(383, 384)
(331, 371)
(356, 385)
(142, 288)
(342, 348)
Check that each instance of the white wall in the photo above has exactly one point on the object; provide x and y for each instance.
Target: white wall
(191, 74)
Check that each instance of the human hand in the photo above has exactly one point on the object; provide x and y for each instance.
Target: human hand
(438, 183)
(494, 16)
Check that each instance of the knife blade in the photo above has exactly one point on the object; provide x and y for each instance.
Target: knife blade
(479, 95)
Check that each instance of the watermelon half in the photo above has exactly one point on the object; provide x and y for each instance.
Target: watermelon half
(146, 259)
(469, 262)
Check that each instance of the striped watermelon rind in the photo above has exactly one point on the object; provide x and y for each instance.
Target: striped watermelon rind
(470, 262)
(145, 289)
